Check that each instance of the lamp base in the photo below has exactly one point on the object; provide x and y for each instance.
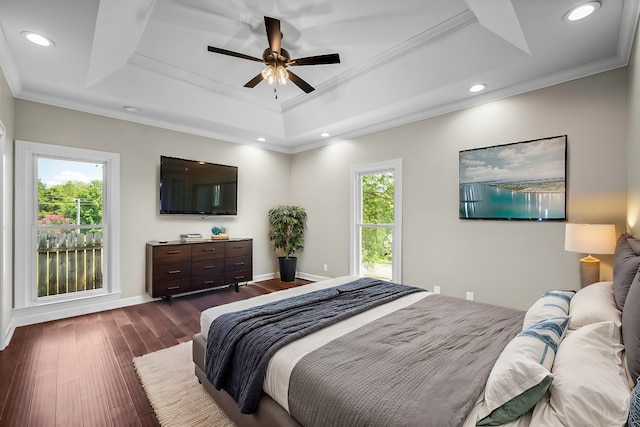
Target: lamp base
(589, 271)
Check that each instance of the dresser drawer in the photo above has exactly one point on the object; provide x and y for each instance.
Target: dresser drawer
(207, 267)
(171, 254)
(237, 263)
(170, 288)
(171, 271)
(206, 282)
(236, 248)
(238, 276)
(211, 250)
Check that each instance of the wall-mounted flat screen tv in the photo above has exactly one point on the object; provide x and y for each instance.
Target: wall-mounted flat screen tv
(519, 181)
(197, 187)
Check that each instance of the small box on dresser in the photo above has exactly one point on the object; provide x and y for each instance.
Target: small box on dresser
(178, 267)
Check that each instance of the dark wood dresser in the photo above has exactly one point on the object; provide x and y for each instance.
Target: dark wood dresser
(175, 267)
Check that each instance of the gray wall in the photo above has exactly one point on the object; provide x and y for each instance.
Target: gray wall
(506, 263)
(263, 180)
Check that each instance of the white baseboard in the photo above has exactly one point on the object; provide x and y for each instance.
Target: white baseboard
(311, 277)
(32, 315)
(8, 333)
(299, 275)
(262, 277)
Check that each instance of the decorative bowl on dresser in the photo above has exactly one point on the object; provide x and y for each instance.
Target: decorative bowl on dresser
(175, 267)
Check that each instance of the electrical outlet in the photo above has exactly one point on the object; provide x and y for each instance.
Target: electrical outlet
(470, 296)
(436, 289)
(326, 268)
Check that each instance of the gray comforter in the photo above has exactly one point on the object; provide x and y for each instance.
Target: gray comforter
(240, 344)
(424, 365)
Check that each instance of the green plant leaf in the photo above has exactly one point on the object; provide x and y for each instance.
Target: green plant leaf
(286, 228)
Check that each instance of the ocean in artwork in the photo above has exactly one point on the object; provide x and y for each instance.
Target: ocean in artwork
(523, 180)
(533, 200)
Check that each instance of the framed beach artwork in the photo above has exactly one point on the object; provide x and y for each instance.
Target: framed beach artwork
(519, 181)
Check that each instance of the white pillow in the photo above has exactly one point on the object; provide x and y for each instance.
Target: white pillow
(522, 373)
(589, 387)
(551, 304)
(592, 304)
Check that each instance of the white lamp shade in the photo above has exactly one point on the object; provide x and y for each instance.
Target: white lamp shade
(590, 238)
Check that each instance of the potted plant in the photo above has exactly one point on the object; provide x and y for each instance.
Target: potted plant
(286, 232)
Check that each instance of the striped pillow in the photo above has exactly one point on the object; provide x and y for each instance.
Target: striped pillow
(551, 304)
(522, 373)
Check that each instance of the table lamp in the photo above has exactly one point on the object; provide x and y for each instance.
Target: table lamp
(590, 239)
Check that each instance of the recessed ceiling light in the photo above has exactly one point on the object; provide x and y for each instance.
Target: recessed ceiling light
(477, 87)
(38, 39)
(325, 134)
(131, 109)
(261, 139)
(582, 11)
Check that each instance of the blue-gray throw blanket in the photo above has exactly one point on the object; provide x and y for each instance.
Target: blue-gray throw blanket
(240, 344)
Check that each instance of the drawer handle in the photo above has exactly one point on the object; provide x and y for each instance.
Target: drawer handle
(173, 252)
(208, 282)
(206, 267)
(238, 247)
(174, 272)
(239, 277)
(173, 288)
(239, 263)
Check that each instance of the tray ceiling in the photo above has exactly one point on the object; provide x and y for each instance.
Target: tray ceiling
(400, 61)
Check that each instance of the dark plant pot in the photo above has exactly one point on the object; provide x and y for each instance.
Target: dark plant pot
(287, 268)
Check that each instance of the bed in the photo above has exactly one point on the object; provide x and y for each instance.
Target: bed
(420, 359)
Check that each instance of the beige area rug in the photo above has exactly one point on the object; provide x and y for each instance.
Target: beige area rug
(176, 396)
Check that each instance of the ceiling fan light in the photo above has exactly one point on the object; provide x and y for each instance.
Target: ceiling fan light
(282, 75)
(269, 74)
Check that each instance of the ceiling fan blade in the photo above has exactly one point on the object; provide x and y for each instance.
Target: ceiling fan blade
(231, 53)
(273, 33)
(306, 87)
(332, 58)
(254, 81)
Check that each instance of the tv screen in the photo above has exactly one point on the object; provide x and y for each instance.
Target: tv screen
(196, 187)
(523, 180)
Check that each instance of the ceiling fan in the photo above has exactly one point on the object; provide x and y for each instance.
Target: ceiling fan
(278, 59)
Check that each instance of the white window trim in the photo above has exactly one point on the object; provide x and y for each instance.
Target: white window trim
(394, 165)
(3, 243)
(25, 294)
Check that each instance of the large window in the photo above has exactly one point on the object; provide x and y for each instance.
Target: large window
(69, 229)
(66, 224)
(376, 213)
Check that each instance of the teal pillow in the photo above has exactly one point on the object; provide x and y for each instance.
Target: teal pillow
(517, 406)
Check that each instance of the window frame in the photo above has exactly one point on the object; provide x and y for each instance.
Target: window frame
(26, 204)
(4, 336)
(355, 218)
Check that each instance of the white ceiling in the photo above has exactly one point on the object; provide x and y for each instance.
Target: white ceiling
(401, 60)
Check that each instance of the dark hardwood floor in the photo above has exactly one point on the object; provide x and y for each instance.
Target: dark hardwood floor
(79, 371)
